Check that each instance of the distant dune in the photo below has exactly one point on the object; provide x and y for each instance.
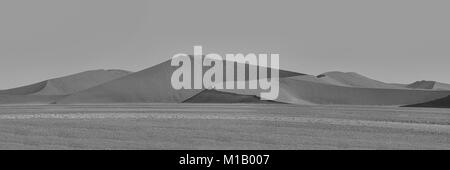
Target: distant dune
(439, 103)
(432, 85)
(50, 90)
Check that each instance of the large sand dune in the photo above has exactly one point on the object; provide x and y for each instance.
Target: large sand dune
(146, 86)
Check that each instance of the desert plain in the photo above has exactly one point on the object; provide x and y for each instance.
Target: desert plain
(222, 126)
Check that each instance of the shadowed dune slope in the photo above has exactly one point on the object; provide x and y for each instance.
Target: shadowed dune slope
(149, 85)
(439, 103)
(432, 85)
(68, 84)
(214, 96)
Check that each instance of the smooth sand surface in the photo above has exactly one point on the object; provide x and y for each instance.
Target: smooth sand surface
(222, 126)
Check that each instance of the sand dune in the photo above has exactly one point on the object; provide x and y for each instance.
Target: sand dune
(146, 86)
(335, 88)
(432, 85)
(50, 90)
(153, 85)
(439, 103)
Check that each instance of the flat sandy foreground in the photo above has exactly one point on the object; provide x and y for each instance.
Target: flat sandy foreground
(222, 126)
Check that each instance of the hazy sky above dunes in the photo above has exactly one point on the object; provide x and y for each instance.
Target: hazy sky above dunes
(389, 40)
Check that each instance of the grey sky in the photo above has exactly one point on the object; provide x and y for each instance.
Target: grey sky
(388, 40)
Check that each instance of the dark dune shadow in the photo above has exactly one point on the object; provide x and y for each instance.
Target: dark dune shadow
(439, 103)
(214, 96)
